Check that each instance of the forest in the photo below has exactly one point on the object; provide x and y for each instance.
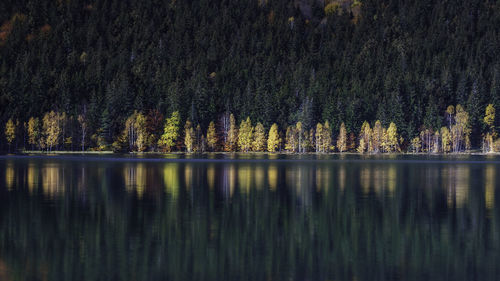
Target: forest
(298, 76)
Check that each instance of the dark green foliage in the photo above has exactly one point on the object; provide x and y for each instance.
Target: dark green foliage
(396, 61)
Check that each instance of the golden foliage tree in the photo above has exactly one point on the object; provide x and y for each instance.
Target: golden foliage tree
(51, 129)
(33, 131)
(189, 137)
(342, 139)
(245, 135)
(319, 137)
(259, 142)
(232, 135)
(10, 132)
(364, 137)
(489, 120)
(273, 140)
(291, 139)
(392, 137)
(212, 137)
(170, 132)
(445, 140)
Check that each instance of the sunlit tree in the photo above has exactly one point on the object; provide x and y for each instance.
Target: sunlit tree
(10, 132)
(342, 139)
(170, 132)
(364, 137)
(33, 131)
(259, 142)
(245, 135)
(51, 129)
(489, 121)
(232, 135)
(211, 137)
(189, 136)
(416, 144)
(319, 137)
(273, 140)
(392, 137)
(445, 140)
(377, 134)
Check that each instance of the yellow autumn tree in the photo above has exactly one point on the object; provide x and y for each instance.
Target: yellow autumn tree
(33, 131)
(273, 140)
(364, 137)
(319, 137)
(10, 132)
(211, 136)
(342, 139)
(189, 136)
(51, 129)
(392, 137)
(445, 140)
(259, 142)
(291, 139)
(327, 138)
(245, 135)
(489, 121)
(170, 132)
(377, 134)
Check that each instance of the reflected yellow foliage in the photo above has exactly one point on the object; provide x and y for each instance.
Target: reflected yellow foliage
(456, 183)
(364, 177)
(33, 173)
(229, 179)
(391, 180)
(9, 176)
(489, 187)
(342, 177)
(135, 178)
(244, 178)
(272, 176)
(259, 176)
(322, 179)
(171, 179)
(211, 176)
(52, 179)
(188, 175)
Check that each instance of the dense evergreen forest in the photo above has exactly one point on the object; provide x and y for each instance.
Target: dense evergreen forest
(106, 74)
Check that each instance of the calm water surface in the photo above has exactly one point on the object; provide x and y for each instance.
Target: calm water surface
(249, 217)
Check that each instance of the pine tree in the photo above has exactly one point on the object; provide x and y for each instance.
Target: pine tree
(273, 140)
(211, 137)
(170, 132)
(259, 142)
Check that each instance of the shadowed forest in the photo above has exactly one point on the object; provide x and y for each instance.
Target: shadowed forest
(328, 76)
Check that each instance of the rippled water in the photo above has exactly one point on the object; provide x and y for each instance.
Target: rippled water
(249, 217)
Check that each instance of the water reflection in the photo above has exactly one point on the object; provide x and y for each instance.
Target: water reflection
(254, 220)
(380, 180)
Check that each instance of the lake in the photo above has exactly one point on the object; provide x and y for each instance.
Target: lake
(249, 217)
